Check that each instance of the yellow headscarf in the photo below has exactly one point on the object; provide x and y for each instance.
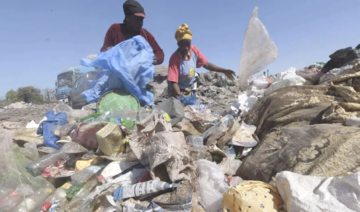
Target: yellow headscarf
(183, 32)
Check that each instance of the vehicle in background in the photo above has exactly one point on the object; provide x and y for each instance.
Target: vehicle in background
(82, 83)
(66, 79)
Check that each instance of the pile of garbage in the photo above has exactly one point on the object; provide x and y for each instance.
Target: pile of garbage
(17, 105)
(287, 144)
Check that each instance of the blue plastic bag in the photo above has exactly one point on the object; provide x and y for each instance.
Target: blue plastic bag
(46, 127)
(189, 100)
(128, 66)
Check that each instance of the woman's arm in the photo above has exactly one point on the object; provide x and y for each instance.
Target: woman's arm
(177, 89)
(211, 67)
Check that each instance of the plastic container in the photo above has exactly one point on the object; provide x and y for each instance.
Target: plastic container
(30, 203)
(54, 201)
(73, 190)
(82, 176)
(78, 200)
(15, 197)
(141, 189)
(37, 166)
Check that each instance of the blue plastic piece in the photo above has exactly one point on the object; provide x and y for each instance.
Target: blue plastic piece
(189, 100)
(46, 127)
(128, 66)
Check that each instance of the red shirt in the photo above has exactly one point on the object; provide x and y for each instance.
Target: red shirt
(179, 67)
(114, 36)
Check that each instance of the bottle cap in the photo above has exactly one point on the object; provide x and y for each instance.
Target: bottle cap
(100, 178)
(46, 206)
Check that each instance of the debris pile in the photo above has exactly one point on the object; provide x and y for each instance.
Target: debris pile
(282, 140)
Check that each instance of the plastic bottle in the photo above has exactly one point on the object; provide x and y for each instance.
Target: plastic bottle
(141, 189)
(37, 166)
(15, 197)
(79, 199)
(35, 200)
(56, 198)
(85, 174)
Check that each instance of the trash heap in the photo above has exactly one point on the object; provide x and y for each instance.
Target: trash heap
(285, 146)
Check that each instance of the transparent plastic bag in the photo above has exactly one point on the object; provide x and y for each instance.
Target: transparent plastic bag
(258, 50)
(30, 151)
(211, 185)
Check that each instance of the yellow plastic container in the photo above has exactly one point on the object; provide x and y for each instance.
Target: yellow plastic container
(111, 139)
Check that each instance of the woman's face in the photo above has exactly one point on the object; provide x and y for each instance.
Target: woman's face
(184, 46)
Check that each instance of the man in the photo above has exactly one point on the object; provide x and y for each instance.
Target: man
(132, 26)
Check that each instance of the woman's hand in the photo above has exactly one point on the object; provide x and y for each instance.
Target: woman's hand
(230, 74)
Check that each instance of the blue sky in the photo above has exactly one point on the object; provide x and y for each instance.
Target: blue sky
(40, 38)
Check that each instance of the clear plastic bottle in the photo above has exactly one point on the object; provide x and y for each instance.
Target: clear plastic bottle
(15, 197)
(85, 174)
(55, 199)
(37, 166)
(34, 201)
(78, 201)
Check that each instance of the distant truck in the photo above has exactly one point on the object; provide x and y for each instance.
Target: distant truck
(66, 80)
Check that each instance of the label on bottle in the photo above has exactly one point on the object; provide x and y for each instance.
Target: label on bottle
(29, 204)
(54, 206)
(66, 185)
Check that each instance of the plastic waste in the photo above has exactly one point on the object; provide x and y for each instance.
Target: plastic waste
(353, 121)
(132, 76)
(127, 118)
(234, 181)
(81, 196)
(30, 151)
(115, 168)
(63, 130)
(211, 185)
(188, 100)
(141, 189)
(35, 200)
(334, 73)
(82, 176)
(195, 141)
(244, 136)
(284, 79)
(32, 125)
(46, 127)
(73, 190)
(262, 82)
(54, 201)
(15, 197)
(258, 50)
(37, 166)
(214, 133)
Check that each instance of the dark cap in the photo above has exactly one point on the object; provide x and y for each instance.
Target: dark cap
(132, 7)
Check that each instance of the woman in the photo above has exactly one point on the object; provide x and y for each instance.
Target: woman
(184, 61)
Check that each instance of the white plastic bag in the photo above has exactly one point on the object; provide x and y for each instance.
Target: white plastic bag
(284, 79)
(316, 194)
(258, 50)
(211, 185)
(244, 103)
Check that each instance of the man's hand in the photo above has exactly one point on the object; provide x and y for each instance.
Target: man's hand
(230, 74)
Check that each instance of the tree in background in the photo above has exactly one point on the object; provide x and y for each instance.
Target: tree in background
(30, 94)
(49, 95)
(11, 96)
